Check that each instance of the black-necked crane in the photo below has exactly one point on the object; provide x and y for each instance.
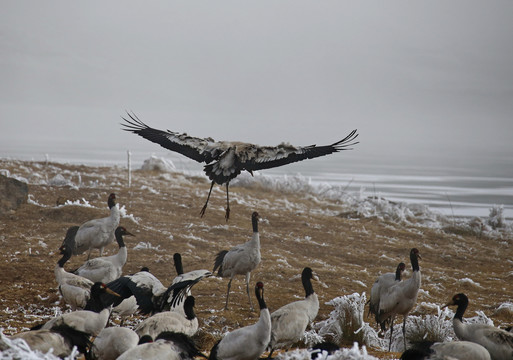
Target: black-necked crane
(170, 321)
(138, 292)
(92, 319)
(382, 283)
(59, 341)
(113, 341)
(456, 350)
(174, 297)
(107, 268)
(167, 345)
(96, 233)
(187, 276)
(75, 290)
(250, 341)
(145, 293)
(498, 342)
(225, 159)
(290, 321)
(400, 298)
(240, 260)
(127, 305)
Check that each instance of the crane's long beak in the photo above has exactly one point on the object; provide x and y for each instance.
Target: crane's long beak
(109, 291)
(448, 304)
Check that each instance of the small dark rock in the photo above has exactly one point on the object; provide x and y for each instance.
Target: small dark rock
(13, 193)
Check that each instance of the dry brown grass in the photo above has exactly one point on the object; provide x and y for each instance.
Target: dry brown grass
(294, 234)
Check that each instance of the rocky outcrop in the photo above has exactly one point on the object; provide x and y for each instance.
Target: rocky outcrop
(13, 193)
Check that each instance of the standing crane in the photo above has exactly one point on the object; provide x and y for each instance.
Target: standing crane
(240, 260)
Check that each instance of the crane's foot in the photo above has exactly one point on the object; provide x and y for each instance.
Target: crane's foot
(227, 214)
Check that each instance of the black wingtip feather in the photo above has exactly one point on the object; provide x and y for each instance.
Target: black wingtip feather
(218, 263)
(346, 142)
(184, 342)
(134, 124)
(78, 338)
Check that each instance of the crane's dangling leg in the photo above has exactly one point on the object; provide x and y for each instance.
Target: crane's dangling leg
(202, 212)
(227, 215)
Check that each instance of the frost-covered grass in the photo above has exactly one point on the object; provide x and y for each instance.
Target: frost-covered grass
(346, 324)
(18, 349)
(354, 353)
(362, 205)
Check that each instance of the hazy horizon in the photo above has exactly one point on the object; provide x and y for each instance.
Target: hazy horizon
(427, 82)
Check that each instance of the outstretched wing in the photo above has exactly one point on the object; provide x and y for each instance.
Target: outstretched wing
(175, 294)
(192, 147)
(266, 157)
(126, 287)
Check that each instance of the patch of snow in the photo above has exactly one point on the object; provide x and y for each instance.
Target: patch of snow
(146, 246)
(469, 281)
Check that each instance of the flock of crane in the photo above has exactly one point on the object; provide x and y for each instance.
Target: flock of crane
(97, 288)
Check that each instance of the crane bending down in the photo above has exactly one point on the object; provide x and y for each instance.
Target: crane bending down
(225, 159)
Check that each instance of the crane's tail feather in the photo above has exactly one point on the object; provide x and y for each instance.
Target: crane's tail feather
(218, 263)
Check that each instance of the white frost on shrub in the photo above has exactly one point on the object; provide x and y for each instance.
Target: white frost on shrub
(83, 203)
(155, 163)
(59, 180)
(362, 205)
(496, 217)
(346, 317)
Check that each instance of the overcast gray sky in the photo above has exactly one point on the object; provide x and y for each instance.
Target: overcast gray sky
(414, 77)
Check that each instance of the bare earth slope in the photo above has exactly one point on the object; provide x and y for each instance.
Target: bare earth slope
(296, 230)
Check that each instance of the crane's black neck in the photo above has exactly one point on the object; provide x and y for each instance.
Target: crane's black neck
(96, 302)
(111, 201)
(398, 272)
(178, 263)
(119, 237)
(462, 306)
(414, 261)
(254, 221)
(66, 255)
(188, 307)
(306, 279)
(259, 293)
